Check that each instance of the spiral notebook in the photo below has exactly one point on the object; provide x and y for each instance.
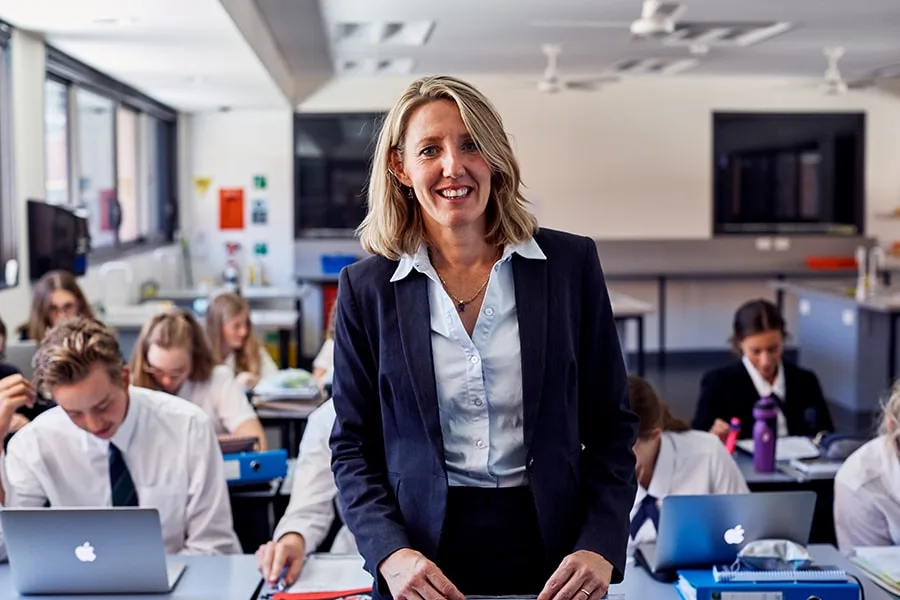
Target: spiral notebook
(824, 573)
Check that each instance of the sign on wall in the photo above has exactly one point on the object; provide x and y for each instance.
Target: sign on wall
(259, 212)
(231, 208)
(259, 182)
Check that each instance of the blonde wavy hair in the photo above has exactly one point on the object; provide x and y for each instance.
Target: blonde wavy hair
(70, 350)
(393, 225)
(224, 307)
(176, 328)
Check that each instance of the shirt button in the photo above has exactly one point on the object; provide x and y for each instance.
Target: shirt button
(474, 360)
(477, 402)
(489, 311)
(480, 444)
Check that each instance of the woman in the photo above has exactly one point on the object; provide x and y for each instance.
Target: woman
(56, 297)
(673, 460)
(231, 338)
(483, 440)
(172, 354)
(732, 390)
(867, 487)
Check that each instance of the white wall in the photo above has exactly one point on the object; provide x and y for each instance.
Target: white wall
(231, 148)
(27, 52)
(633, 161)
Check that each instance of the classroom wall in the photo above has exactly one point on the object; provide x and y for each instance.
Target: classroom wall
(27, 73)
(232, 148)
(632, 161)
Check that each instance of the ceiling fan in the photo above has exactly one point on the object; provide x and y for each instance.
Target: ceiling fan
(553, 83)
(833, 82)
(658, 19)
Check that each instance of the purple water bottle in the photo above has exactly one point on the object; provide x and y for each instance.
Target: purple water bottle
(765, 413)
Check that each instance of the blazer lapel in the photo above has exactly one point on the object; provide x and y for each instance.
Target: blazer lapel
(530, 277)
(415, 336)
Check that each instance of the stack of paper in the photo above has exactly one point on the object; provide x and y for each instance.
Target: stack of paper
(881, 564)
(787, 448)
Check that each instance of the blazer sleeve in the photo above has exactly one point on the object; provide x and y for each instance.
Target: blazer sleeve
(707, 410)
(607, 426)
(366, 499)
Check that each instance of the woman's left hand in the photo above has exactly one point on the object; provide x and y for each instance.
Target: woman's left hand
(582, 575)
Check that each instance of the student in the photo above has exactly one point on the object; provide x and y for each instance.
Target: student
(732, 390)
(24, 414)
(108, 444)
(56, 297)
(231, 337)
(172, 354)
(311, 511)
(867, 487)
(323, 364)
(673, 459)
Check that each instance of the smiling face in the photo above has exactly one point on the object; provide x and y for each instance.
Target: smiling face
(442, 164)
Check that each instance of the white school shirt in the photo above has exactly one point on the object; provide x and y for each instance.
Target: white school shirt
(173, 457)
(221, 397)
(765, 389)
(325, 360)
(311, 509)
(478, 379)
(267, 366)
(867, 496)
(689, 463)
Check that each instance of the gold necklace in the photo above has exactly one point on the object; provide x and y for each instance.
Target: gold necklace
(461, 304)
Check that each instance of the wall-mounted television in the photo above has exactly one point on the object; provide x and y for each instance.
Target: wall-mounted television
(789, 173)
(332, 155)
(58, 239)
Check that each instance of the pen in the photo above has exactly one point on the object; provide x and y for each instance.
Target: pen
(281, 584)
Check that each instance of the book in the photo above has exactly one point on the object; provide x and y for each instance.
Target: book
(786, 448)
(881, 565)
(816, 466)
(700, 584)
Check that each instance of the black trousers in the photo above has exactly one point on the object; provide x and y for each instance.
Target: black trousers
(491, 543)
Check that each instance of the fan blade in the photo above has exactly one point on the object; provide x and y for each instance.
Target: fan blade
(670, 10)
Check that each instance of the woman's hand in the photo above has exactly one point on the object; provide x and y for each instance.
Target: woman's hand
(15, 392)
(285, 554)
(411, 576)
(720, 429)
(582, 575)
(247, 380)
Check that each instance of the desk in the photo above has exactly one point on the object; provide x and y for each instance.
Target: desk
(822, 531)
(290, 422)
(625, 308)
(206, 577)
(638, 584)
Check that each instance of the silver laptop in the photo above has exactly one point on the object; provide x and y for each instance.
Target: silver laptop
(19, 355)
(702, 531)
(87, 551)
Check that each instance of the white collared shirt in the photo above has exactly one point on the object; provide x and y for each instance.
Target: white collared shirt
(867, 496)
(479, 379)
(689, 463)
(766, 389)
(325, 360)
(267, 366)
(220, 397)
(313, 491)
(172, 454)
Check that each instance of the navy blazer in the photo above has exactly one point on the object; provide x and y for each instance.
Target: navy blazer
(729, 392)
(387, 447)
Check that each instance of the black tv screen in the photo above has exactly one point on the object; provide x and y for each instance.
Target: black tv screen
(789, 173)
(57, 240)
(332, 155)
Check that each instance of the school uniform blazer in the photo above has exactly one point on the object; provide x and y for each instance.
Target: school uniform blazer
(729, 392)
(387, 447)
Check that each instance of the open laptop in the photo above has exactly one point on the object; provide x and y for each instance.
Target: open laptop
(87, 551)
(19, 355)
(702, 531)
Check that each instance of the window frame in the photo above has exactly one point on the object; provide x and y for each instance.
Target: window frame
(9, 214)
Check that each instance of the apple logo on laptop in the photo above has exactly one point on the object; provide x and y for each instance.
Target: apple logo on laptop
(734, 536)
(85, 553)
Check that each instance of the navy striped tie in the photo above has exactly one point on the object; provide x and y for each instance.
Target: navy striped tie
(123, 492)
(647, 511)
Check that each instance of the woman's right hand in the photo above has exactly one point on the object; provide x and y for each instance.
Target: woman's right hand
(286, 554)
(720, 429)
(247, 380)
(15, 392)
(411, 576)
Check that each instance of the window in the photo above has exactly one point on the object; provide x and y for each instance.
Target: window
(56, 142)
(9, 241)
(111, 151)
(97, 167)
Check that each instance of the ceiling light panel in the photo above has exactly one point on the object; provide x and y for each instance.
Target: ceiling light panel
(385, 33)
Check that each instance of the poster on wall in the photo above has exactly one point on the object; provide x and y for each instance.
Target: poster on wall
(231, 208)
(201, 184)
(259, 212)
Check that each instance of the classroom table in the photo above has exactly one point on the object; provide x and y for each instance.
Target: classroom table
(206, 577)
(783, 479)
(625, 308)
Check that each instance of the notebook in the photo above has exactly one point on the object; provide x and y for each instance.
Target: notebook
(786, 448)
(881, 564)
